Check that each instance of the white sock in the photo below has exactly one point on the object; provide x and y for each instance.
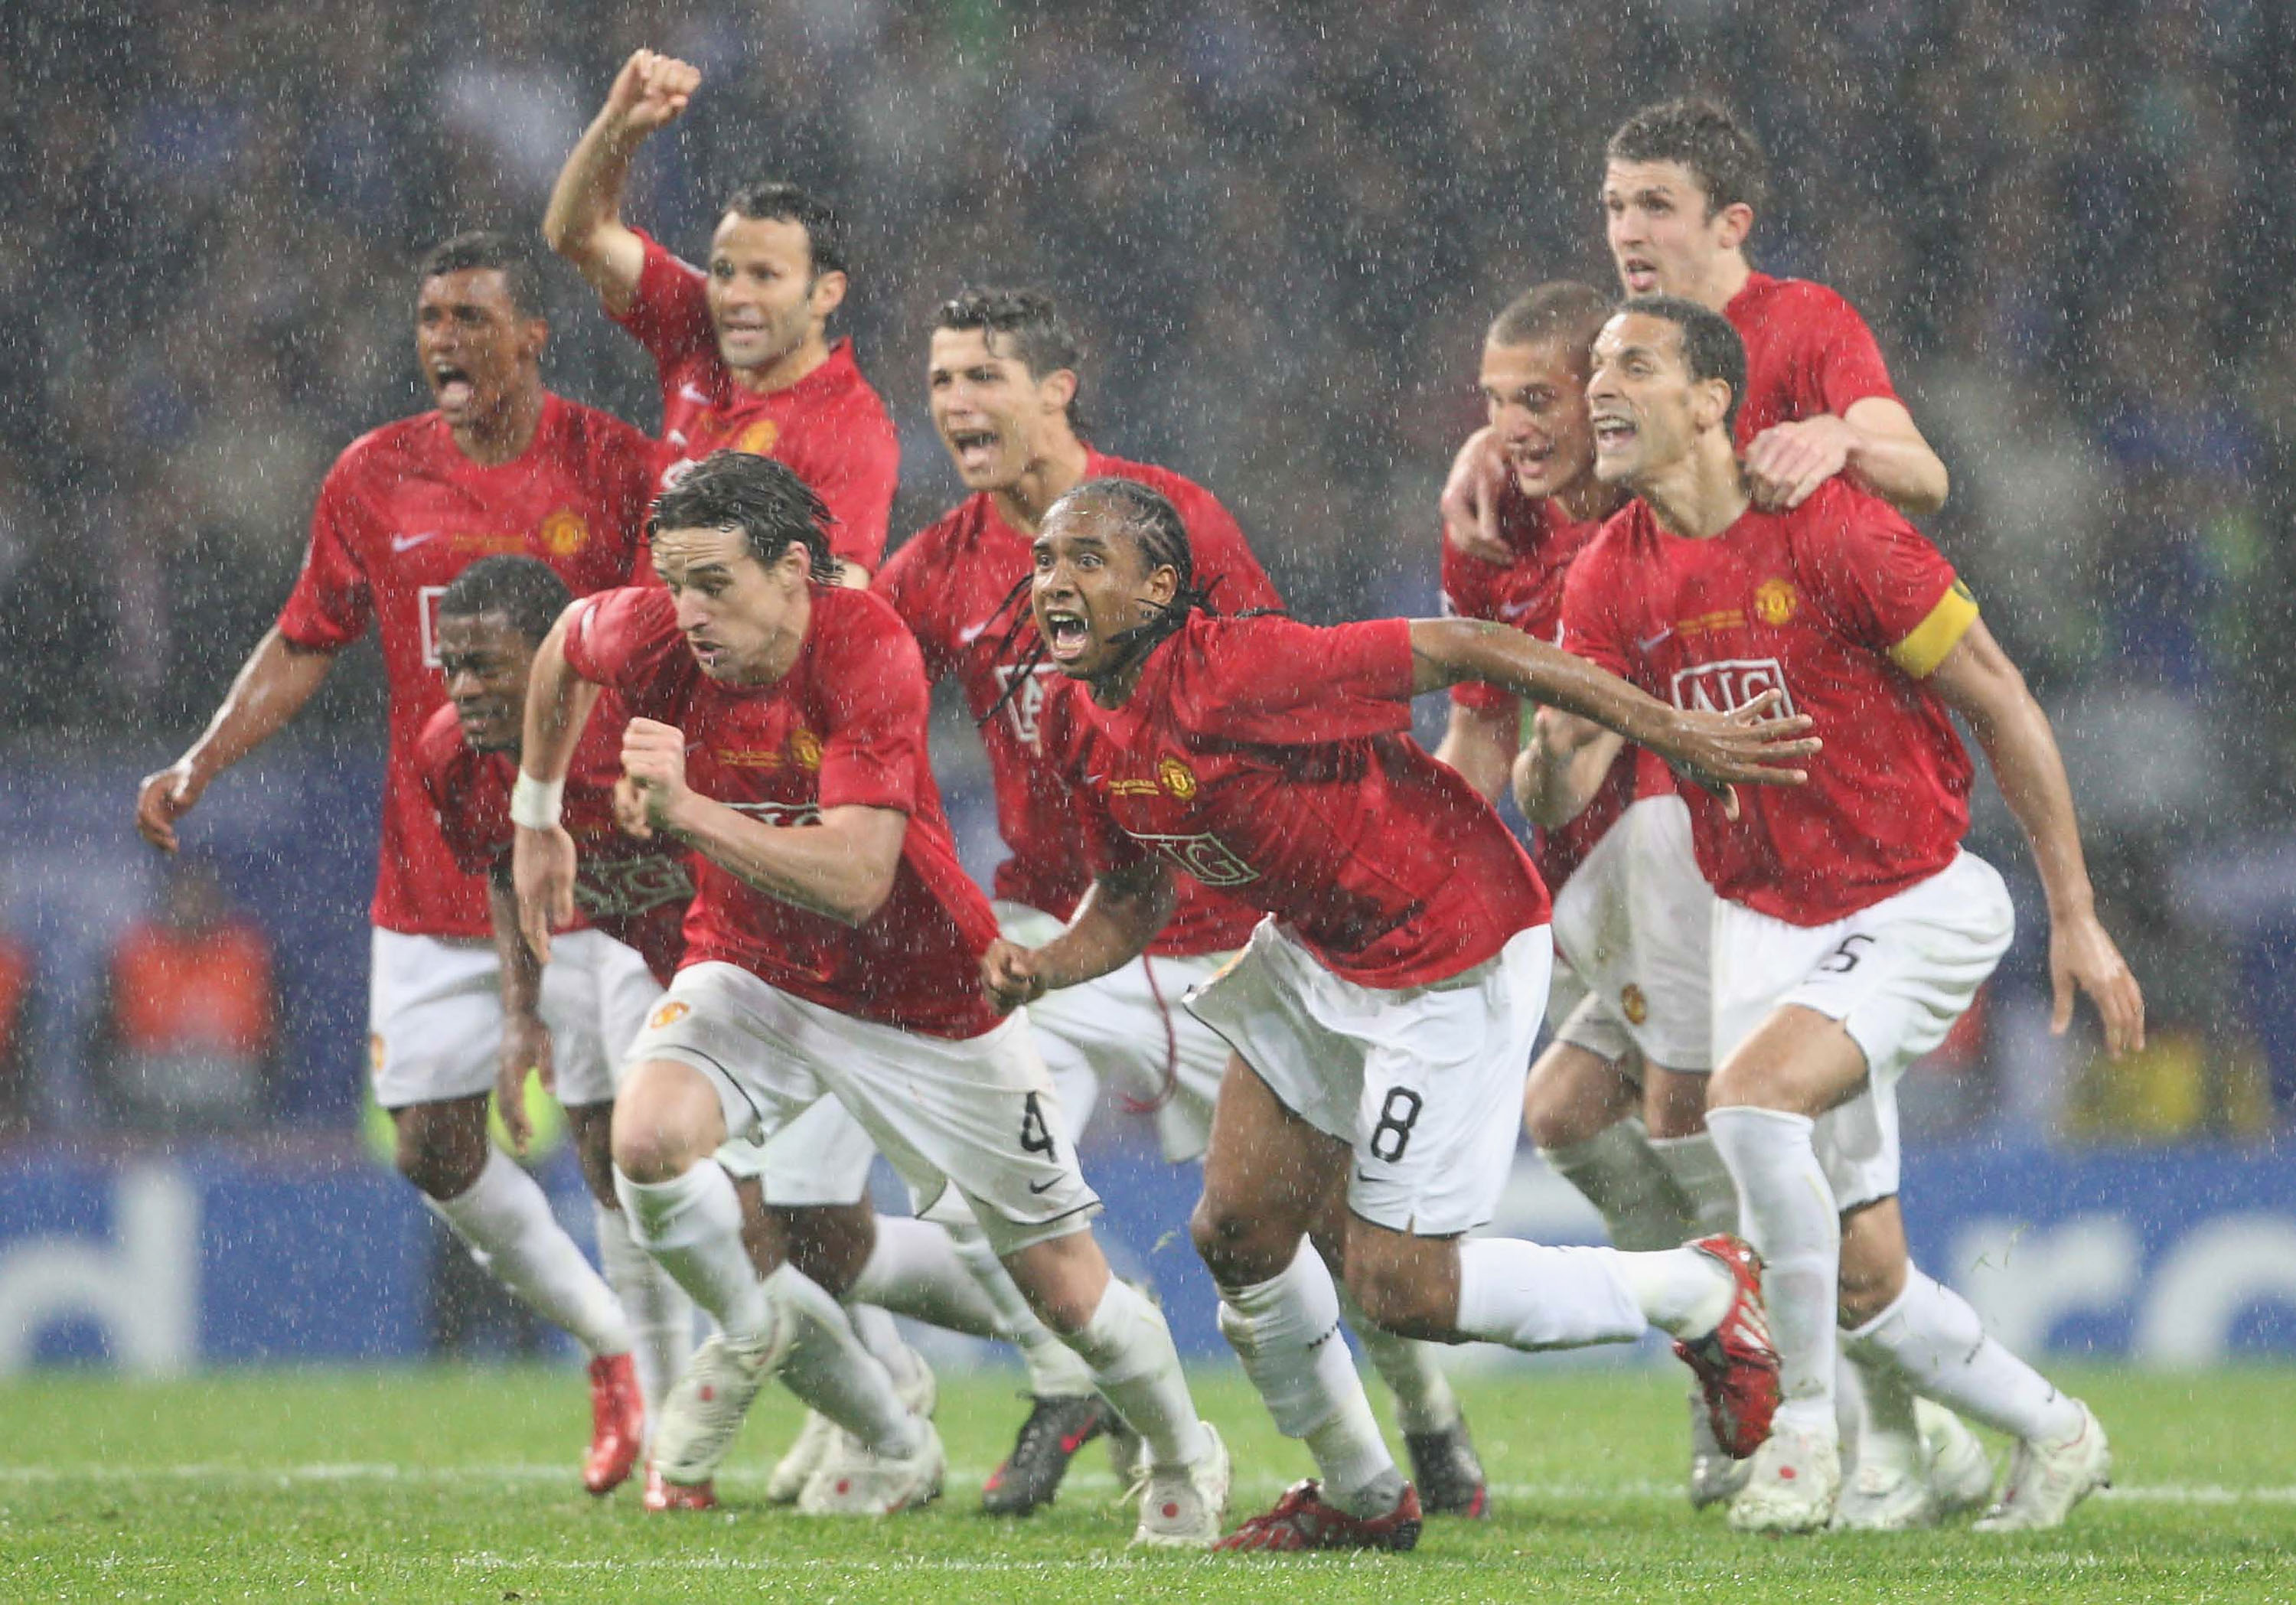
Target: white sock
(1681, 1291)
(882, 1338)
(1413, 1374)
(915, 1271)
(692, 1225)
(660, 1313)
(1529, 1296)
(826, 1367)
(1787, 1210)
(1286, 1331)
(1054, 1370)
(1137, 1371)
(1700, 1180)
(1932, 1335)
(504, 1218)
(1618, 1171)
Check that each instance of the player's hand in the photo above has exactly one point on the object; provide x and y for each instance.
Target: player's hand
(1787, 462)
(1720, 751)
(1471, 498)
(1008, 975)
(525, 1048)
(653, 760)
(2083, 956)
(164, 798)
(651, 92)
(541, 864)
(630, 810)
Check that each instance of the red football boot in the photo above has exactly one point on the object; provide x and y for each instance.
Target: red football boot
(661, 1495)
(1736, 1367)
(617, 1423)
(1302, 1520)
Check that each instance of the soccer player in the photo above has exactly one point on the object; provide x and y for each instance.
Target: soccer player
(1852, 926)
(1384, 1013)
(1003, 381)
(741, 346)
(499, 465)
(832, 950)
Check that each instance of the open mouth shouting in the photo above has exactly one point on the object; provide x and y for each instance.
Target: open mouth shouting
(974, 449)
(451, 388)
(1067, 634)
(1639, 275)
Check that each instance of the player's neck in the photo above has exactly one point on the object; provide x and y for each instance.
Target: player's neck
(1724, 279)
(1586, 498)
(1051, 474)
(502, 435)
(781, 649)
(1702, 495)
(784, 370)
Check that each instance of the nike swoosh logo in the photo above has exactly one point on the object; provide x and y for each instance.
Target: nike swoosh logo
(1652, 644)
(1041, 1188)
(972, 633)
(1512, 610)
(407, 543)
(691, 394)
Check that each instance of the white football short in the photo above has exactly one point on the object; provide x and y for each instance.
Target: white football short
(1896, 974)
(1633, 922)
(1424, 1083)
(434, 1014)
(1129, 1028)
(979, 1113)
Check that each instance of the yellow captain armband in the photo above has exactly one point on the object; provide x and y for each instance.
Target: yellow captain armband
(1923, 649)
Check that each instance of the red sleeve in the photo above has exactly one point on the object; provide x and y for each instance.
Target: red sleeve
(915, 583)
(873, 750)
(1221, 552)
(1848, 358)
(1878, 578)
(331, 603)
(857, 479)
(626, 641)
(1471, 590)
(1594, 626)
(455, 779)
(1287, 683)
(670, 309)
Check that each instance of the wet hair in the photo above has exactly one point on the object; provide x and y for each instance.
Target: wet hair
(524, 590)
(1034, 333)
(1711, 346)
(762, 498)
(490, 251)
(1562, 310)
(1161, 535)
(771, 199)
(1702, 135)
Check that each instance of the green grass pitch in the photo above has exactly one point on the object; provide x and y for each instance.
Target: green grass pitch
(459, 1485)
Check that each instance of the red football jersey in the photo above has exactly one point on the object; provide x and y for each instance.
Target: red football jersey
(636, 891)
(846, 727)
(1268, 758)
(401, 513)
(1528, 593)
(829, 427)
(1844, 606)
(1807, 352)
(953, 585)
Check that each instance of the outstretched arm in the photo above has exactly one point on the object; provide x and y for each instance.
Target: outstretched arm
(558, 703)
(1979, 682)
(1118, 917)
(583, 220)
(1713, 750)
(271, 688)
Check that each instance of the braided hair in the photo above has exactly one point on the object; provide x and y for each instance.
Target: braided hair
(1156, 527)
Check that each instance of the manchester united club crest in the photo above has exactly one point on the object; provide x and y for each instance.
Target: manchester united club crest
(760, 438)
(564, 533)
(805, 749)
(668, 1014)
(1177, 778)
(1776, 601)
(1633, 1004)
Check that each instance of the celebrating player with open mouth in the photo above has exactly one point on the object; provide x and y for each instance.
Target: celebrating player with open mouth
(1386, 1013)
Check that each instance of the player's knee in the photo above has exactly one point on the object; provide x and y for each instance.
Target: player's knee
(649, 1151)
(1237, 1246)
(1866, 1288)
(1548, 1120)
(438, 1167)
(1400, 1294)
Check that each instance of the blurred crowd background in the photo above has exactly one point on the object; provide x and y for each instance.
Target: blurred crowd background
(1284, 229)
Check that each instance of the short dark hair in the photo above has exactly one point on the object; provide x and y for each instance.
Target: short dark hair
(761, 497)
(1562, 309)
(524, 590)
(1702, 135)
(489, 249)
(1040, 339)
(1711, 346)
(773, 199)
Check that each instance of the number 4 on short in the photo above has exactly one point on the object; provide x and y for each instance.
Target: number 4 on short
(1036, 1136)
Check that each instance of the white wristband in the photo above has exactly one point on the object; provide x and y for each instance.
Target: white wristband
(537, 803)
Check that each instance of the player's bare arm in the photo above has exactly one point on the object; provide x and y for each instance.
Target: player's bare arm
(525, 1040)
(1118, 917)
(270, 689)
(1471, 498)
(583, 220)
(1480, 744)
(558, 704)
(1713, 750)
(842, 867)
(1876, 443)
(1562, 766)
(1978, 681)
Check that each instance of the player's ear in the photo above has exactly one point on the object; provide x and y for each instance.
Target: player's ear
(1710, 403)
(1732, 223)
(1163, 584)
(1058, 389)
(536, 336)
(827, 294)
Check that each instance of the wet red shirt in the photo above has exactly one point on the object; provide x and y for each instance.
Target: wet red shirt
(1268, 758)
(400, 514)
(1807, 352)
(845, 726)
